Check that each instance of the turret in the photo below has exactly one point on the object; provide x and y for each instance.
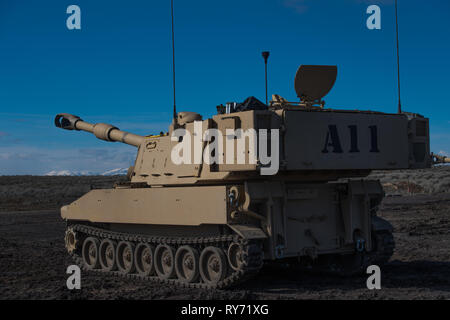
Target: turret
(306, 140)
(102, 131)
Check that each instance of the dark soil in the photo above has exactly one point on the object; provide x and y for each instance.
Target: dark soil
(33, 259)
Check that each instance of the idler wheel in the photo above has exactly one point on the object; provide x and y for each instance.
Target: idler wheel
(165, 261)
(186, 264)
(143, 259)
(213, 265)
(108, 255)
(125, 257)
(90, 252)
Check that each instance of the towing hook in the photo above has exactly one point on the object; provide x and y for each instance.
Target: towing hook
(279, 251)
(360, 245)
(232, 198)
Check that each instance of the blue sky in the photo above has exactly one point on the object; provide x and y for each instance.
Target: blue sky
(117, 68)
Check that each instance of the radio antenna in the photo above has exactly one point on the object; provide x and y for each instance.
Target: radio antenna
(265, 55)
(173, 65)
(398, 60)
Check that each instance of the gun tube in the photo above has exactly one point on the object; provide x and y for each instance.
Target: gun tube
(102, 131)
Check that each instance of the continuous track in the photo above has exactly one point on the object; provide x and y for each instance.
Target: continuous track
(252, 255)
(354, 264)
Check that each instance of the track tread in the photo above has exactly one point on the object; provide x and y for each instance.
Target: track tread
(253, 254)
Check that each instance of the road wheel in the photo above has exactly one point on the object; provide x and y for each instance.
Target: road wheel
(186, 264)
(213, 265)
(165, 261)
(235, 256)
(90, 253)
(107, 255)
(125, 257)
(143, 259)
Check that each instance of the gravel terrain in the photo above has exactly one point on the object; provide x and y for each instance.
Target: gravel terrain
(33, 260)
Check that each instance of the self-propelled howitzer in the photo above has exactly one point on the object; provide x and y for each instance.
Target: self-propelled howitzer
(205, 223)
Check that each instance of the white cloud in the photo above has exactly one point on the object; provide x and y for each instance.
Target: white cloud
(302, 6)
(53, 149)
(39, 161)
(298, 5)
(440, 136)
(375, 1)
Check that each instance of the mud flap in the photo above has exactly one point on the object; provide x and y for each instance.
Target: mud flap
(379, 224)
(248, 232)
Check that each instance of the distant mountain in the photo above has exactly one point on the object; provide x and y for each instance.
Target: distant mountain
(70, 173)
(116, 172)
(113, 172)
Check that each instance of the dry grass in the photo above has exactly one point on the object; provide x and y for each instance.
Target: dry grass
(18, 193)
(434, 180)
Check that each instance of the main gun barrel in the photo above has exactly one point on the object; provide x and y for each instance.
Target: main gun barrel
(102, 131)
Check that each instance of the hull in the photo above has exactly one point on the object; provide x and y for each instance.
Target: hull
(296, 219)
(313, 222)
(186, 206)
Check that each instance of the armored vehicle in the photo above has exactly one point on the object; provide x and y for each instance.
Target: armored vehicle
(299, 194)
(438, 159)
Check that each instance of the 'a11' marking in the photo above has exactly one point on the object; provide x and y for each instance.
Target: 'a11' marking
(333, 140)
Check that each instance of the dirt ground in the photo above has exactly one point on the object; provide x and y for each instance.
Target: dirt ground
(33, 260)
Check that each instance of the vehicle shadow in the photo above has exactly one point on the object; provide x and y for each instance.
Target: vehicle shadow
(396, 274)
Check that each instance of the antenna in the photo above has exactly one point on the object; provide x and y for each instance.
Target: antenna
(312, 83)
(265, 55)
(398, 60)
(173, 65)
